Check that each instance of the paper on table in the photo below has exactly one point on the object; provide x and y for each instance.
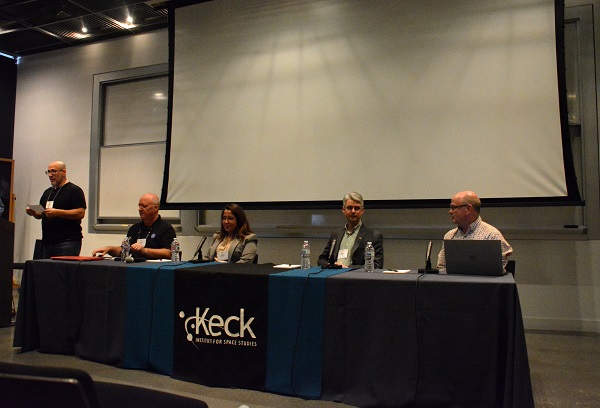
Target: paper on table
(396, 271)
(286, 266)
(36, 207)
(158, 260)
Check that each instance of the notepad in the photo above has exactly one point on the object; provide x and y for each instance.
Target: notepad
(36, 207)
(396, 271)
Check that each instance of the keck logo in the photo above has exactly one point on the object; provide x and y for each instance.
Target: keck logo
(207, 328)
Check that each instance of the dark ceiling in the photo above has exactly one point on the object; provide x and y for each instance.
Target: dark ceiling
(33, 26)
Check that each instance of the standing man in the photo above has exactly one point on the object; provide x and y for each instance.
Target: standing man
(65, 206)
(151, 238)
(346, 247)
(464, 211)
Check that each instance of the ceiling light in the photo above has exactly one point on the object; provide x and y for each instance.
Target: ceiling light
(128, 22)
(2, 54)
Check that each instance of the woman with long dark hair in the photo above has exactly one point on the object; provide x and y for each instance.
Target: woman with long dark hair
(235, 242)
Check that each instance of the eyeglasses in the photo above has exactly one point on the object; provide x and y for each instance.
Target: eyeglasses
(353, 207)
(53, 171)
(456, 207)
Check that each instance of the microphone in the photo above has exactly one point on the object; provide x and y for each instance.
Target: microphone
(330, 264)
(198, 251)
(428, 268)
(331, 250)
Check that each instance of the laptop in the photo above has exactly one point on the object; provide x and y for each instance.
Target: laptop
(473, 257)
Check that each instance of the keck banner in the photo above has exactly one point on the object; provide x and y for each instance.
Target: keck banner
(220, 325)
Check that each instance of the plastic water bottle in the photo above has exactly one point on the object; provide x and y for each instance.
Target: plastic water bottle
(175, 251)
(369, 257)
(125, 248)
(305, 256)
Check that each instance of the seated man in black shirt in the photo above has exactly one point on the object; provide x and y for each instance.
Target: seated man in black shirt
(151, 238)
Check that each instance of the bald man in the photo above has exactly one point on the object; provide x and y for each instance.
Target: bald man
(151, 238)
(464, 211)
(64, 208)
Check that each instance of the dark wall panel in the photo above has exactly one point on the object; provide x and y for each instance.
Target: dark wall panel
(8, 89)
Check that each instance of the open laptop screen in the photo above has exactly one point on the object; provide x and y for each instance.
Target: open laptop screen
(473, 257)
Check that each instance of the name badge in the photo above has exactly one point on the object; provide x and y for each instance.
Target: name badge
(49, 204)
(222, 255)
(343, 254)
(142, 242)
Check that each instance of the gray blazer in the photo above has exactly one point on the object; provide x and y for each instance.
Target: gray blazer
(239, 251)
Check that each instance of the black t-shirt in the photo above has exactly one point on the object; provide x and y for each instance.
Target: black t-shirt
(159, 235)
(67, 197)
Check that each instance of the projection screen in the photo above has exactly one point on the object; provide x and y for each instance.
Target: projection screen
(277, 101)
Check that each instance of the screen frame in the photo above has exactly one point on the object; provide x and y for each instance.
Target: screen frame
(573, 197)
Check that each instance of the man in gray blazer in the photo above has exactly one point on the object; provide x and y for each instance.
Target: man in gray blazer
(346, 246)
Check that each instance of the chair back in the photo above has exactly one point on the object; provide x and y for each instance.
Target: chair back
(38, 250)
(510, 266)
(114, 395)
(23, 386)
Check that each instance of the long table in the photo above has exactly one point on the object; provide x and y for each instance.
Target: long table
(425, 340)
(365, 339)
(105, 311)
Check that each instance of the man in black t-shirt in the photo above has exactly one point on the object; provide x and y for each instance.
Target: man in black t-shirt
(64, 208)
(151, 238)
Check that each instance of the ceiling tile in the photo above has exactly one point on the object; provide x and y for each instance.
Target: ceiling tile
(32, 26)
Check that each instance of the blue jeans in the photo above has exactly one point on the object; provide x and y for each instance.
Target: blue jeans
(61, 249)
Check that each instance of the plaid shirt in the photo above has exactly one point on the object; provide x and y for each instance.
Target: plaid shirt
(477, 230)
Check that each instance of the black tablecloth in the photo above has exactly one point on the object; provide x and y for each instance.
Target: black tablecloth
(220, 335)
(62, 299)
(389, 340)
(425, 341)
(105, 311)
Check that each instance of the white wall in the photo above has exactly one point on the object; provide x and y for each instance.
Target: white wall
(558, 279)
(53, 120)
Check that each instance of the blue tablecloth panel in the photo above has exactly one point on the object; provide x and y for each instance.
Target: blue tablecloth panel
(149, 316)
(295, 346)
(295, 321)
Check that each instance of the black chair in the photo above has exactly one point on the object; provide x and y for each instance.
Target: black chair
(510, 266)
(23, 386)
(112, 395)
(38, 253)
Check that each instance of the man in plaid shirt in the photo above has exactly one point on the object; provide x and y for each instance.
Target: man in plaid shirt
(464, 210)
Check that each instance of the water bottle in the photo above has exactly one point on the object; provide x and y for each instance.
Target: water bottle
(305, 256)
(175, 251)
(369, 257)
(125, 248)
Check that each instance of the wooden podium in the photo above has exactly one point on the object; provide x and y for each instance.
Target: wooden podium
(7, 246)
